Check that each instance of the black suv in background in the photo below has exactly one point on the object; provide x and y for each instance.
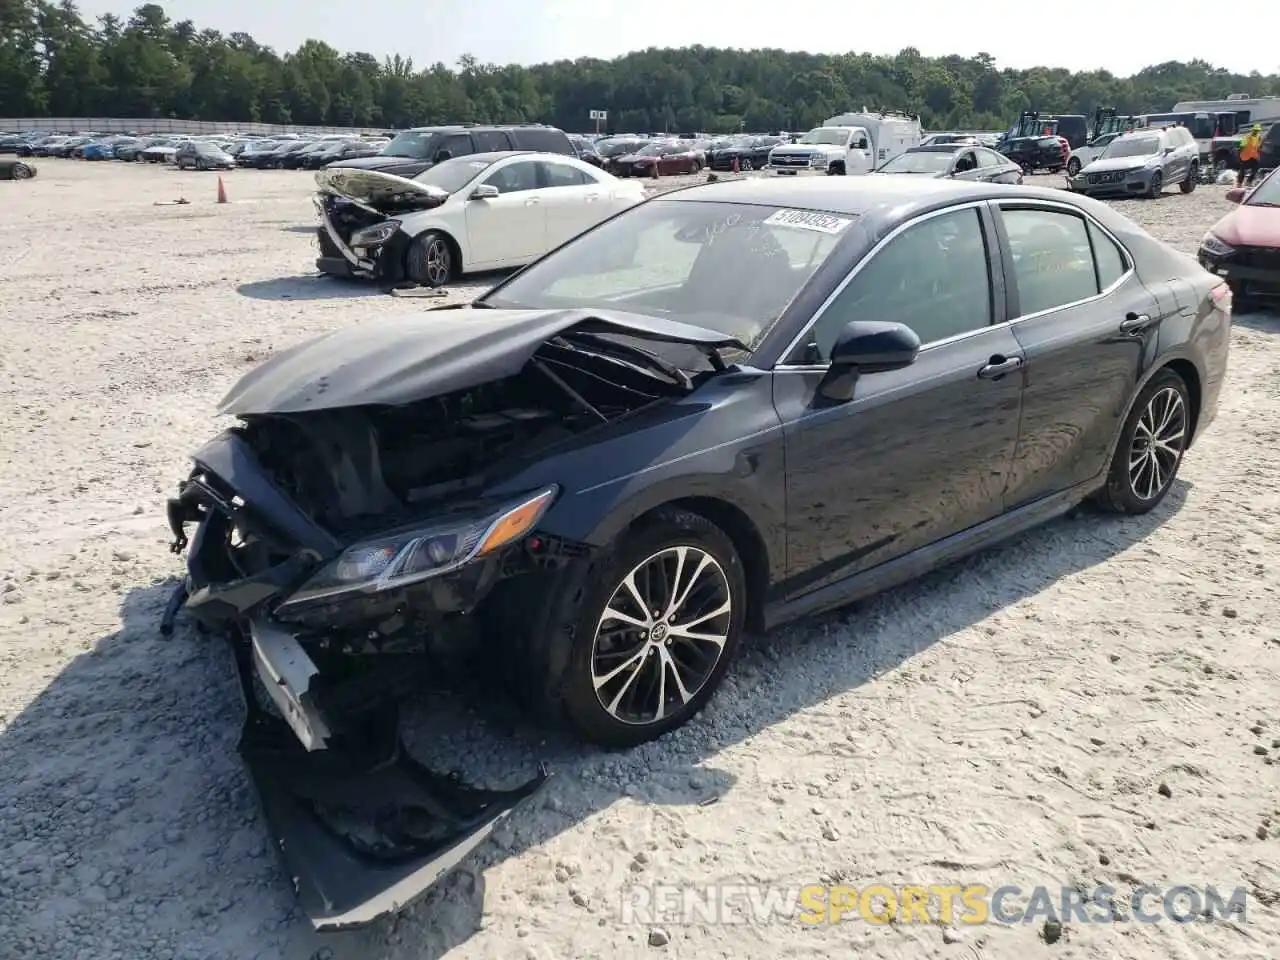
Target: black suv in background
(1034, 153)
(412, 151)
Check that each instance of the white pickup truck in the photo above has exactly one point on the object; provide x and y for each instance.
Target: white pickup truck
(848, 145)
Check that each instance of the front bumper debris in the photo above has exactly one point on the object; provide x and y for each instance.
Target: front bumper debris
(363, 829)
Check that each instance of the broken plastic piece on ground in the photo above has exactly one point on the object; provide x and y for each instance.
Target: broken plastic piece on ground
(171, 203)
(423, 292)
(363, 833)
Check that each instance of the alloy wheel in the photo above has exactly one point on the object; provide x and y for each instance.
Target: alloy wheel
(436, 262)
(661, 635)
(1159, 438)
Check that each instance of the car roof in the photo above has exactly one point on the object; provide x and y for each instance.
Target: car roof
(940, 148)
(849, 195)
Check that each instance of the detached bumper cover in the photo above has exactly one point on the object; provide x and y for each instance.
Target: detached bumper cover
(361, 835)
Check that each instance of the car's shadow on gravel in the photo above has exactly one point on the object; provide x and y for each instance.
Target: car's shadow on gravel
(308, 287)
(1263, 321)
(123, 799)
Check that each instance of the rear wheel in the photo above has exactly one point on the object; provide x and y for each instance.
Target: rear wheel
(1193, 177)
(1151, 446)
(746, 164)
(430, 259)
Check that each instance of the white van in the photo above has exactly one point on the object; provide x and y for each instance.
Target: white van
(848, 145)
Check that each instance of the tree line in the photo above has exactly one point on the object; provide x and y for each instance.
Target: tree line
(55, 64)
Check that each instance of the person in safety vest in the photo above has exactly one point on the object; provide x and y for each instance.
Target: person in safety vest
(1250, 151)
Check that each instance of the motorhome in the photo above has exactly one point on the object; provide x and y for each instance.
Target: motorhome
(1247, 110)
(848, 145)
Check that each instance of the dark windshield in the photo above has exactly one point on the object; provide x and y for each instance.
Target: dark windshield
(726, 266)
(616, 148)
(452, 175)
(919, 161)
(1132, 147)
(413, 144)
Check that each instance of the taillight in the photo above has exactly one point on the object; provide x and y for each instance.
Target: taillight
(1222, 296)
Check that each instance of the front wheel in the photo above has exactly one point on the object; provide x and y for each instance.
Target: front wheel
(1156, 187)
(429, 261)
(835, 169)
(1193, 177)
(1073, 166)
(1151, 446)
(658, 626)
(21, 172)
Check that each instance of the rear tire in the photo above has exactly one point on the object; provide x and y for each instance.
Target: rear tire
(1193, 177)
(430, 260)
(687, 568)
(1151, 447)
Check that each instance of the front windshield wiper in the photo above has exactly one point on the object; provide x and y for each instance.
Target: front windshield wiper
(1262, 203)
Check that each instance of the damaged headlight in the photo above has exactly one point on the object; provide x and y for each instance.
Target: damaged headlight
(378, 233)
(406, 557)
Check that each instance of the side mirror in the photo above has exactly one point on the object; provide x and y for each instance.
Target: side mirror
(486, 191)
(1235, 195)
(442, 155)
(862, 144)
(867, 346)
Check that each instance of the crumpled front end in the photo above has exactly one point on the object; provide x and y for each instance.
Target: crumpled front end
(363, 828)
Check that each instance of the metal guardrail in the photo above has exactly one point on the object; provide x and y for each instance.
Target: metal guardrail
(163, 126)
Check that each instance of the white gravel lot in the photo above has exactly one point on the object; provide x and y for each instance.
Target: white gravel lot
(1009, 721)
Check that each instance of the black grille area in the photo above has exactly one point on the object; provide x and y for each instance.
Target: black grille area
(1259, 258)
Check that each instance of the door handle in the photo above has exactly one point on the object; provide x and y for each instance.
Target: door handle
(531, 202)
(1135, 323)
(592, 197)
(999, 366)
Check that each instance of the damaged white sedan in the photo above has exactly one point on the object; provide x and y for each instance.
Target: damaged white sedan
(485, 211)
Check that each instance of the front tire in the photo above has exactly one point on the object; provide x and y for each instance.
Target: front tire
(1193, 177)
(657, 627)
(835, 169)
(1156, 187)
(1151, 447)
(1073, 166)
(21, 172)
(430, 261)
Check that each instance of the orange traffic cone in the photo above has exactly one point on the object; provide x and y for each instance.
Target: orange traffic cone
(736, 167)
(222, 191)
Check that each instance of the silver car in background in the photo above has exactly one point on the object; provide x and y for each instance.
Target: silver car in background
(1142, 163)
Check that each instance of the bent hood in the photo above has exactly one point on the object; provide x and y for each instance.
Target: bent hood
(378, 189)
(1250, 226)
(400, 166)
(399, 360)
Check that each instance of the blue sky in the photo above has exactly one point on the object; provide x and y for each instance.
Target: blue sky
(1081, 35)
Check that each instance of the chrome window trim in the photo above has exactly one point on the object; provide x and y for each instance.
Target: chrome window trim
(997, 203)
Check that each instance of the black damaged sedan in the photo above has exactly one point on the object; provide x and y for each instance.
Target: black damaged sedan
(724, 408)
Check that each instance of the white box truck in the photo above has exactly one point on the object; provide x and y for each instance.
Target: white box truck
(848, 145)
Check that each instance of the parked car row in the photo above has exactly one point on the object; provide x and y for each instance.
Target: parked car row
(198, 153)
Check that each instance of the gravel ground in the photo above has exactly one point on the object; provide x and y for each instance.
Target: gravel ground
(1093, 703)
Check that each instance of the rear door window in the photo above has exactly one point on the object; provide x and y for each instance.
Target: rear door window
(563, 175)
(489, 141)
(1112, 263)
(543, 139)
(1052, 259)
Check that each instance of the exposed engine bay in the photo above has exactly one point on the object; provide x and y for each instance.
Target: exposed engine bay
(350, 468)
